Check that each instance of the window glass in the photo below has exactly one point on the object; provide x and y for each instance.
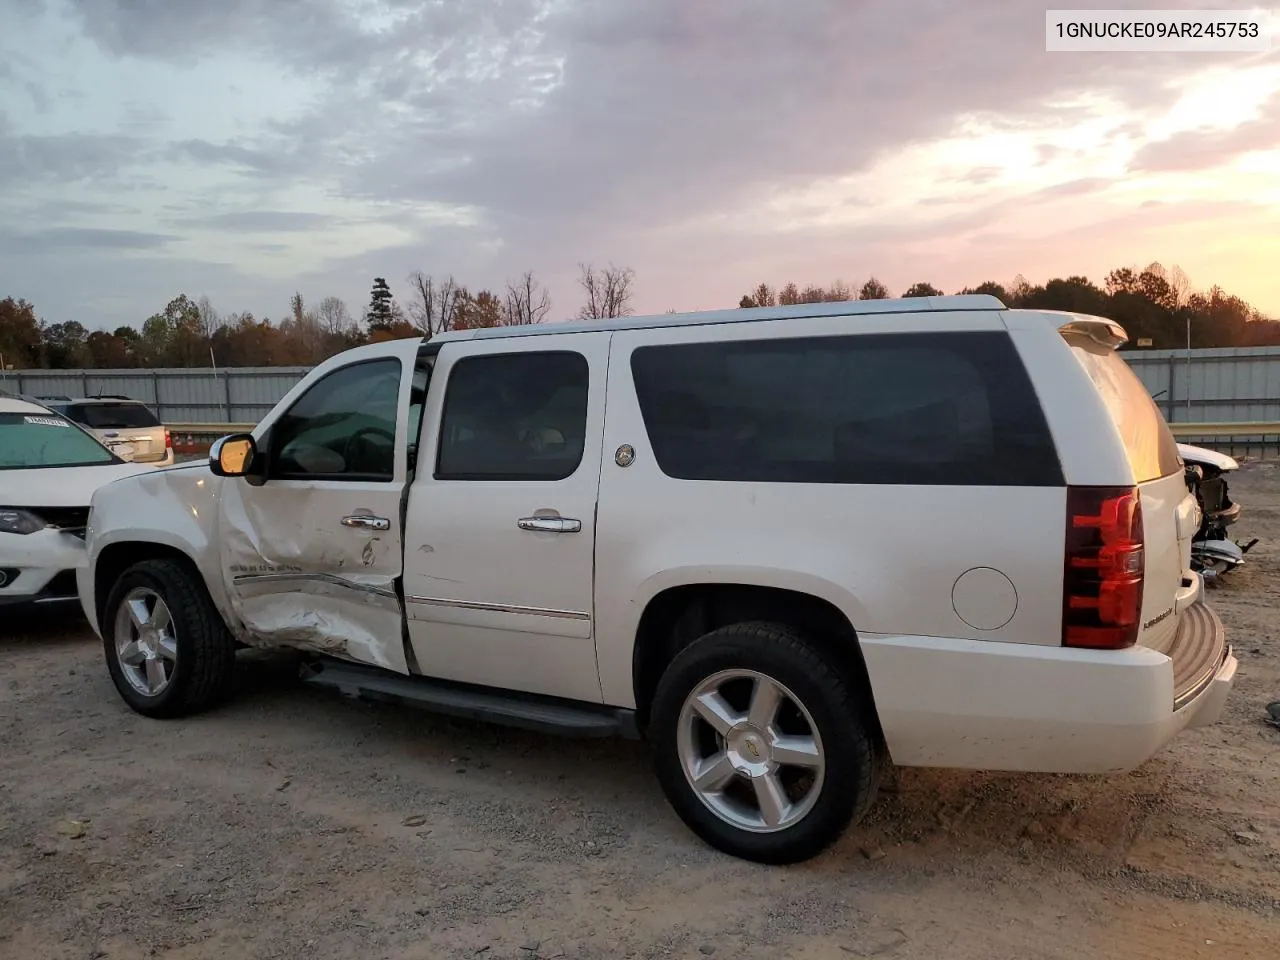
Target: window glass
(109, 416)
(937, 408)
(45, 440)
(1148, 441)
(342, 427)
(515, 416)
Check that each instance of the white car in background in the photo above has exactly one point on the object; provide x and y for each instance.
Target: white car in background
(128, 427)
(49, 469)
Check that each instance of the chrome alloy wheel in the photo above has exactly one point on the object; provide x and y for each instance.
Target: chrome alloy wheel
(145, 643)
(751, 751)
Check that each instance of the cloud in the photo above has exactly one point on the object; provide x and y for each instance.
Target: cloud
(492, 136)
(64, 158)
(262, 221)
(71, 238)
(1195, 150)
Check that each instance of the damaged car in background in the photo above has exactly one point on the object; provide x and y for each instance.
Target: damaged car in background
(1213, 553)
(49, 469)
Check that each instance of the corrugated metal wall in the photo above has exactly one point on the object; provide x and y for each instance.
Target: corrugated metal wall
(234, 395)
(1226, 385)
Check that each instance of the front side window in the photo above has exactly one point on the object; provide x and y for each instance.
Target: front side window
(515, 416)
(29, 440)
(935, 408)
(342, 428)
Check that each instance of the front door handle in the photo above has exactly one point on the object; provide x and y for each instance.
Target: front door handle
(367, 522)
(550, 524)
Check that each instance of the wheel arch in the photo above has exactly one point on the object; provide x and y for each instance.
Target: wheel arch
(115, 558)
(676, 616)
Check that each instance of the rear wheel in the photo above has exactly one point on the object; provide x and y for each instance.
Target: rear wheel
(167, 649)
(763, 745)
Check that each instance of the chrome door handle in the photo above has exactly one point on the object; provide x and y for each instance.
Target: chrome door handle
(550, 524)
(367, 522)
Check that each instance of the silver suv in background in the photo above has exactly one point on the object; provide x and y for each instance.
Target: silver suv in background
(126, 426)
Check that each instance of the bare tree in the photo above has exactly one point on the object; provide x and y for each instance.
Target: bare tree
(334, 318)
(436, 303)
(527, 301)
(210, 322)
(608, 291)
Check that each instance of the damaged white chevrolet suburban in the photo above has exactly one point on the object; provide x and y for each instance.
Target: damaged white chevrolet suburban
(784, 544)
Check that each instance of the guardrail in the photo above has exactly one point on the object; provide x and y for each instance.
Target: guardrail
(196, 437)
(193, 438)
(1229, 431)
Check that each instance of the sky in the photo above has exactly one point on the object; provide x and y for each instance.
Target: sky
(245, 149)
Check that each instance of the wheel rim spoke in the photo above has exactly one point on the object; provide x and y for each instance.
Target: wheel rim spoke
(771, 798)
(796, 752)
(713, 708)
(139, 613)
(714, 773)
(765, 698)
(131, 654)
(167, 647)
(160, 617)
(156, 675)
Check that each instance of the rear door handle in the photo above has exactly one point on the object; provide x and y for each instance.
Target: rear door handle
(366, 522)
(550, 524)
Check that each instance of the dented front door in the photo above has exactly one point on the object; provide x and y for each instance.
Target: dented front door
(311, 557)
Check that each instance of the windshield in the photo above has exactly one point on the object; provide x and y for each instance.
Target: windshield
(108, 416)
(44, 440)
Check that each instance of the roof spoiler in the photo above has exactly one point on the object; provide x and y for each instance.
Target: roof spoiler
(1098, 329)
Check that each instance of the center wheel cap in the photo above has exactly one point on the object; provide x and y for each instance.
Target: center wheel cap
(748, 750)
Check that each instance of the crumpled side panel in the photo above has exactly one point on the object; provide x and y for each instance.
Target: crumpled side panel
(299, 578)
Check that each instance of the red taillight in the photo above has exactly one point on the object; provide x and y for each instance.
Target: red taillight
(168, 439)
(1102, 588)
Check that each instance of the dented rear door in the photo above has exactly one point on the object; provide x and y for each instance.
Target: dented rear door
(312, 556)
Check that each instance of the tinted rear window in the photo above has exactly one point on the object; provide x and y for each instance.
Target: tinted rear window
(935, 408)
(107, 416)
(1152, 450)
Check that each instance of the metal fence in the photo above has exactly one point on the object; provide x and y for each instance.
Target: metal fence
(1228, 385)
(234, 395)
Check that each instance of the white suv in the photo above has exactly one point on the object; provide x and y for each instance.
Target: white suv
(785, 544)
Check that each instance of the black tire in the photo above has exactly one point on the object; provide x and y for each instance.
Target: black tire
(840, 710)
(205, 662)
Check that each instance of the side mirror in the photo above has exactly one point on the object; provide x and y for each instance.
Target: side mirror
(232, 456)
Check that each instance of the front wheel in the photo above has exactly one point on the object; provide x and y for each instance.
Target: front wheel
(763, 745)
(167, 649)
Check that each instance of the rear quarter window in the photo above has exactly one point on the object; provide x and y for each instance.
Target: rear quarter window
(1148, 441)
(926, 408)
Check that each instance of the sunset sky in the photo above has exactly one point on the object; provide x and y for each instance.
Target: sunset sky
(247, 148)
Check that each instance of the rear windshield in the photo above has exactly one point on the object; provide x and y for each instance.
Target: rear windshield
(1152, 450)
(44, 440)
(107, 416)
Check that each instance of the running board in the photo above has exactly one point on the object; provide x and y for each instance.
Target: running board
(527, 711)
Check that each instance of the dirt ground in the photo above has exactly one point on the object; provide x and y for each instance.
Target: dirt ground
(295, 824)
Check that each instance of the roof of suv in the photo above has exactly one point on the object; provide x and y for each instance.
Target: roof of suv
(738, 315)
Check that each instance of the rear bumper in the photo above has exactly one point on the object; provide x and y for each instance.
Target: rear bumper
(1000, 706)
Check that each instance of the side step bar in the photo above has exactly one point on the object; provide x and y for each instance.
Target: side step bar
(527, 711)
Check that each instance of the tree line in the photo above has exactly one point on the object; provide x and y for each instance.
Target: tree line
(1152, 304)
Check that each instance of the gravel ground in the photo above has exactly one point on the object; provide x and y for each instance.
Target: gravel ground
(293, 823)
